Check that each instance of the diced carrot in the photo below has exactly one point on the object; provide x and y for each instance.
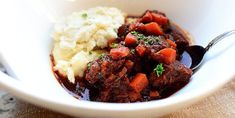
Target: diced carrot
(120, 52)
(130, 39)
(147, 17)
(139, 82)
(153, 28)
(168, 54)
(140, 50)
(160, 19)
(154, 94)
(171, 43)
(129, 65)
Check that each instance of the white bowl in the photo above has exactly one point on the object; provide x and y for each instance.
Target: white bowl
(25, 45)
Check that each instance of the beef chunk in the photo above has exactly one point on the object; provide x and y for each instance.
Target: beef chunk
(174, 73)
(93, 73)
(180, 40)
(123, 31)
(102, 68)
(109, 77)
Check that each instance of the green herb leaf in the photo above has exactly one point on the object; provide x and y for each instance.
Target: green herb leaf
(147, 39)
(84, 15)
(102, 55)
(159, 69)
(89, 66)
(113, 45)
(138, 35)
(134, 33)
(132, 51)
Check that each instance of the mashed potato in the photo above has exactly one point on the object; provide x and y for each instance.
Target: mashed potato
(76, 37)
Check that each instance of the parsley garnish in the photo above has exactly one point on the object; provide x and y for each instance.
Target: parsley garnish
(132, 51)
(84, 15)
(134, 33)
(159, 69)
(102, 55)
(147, 39)
(113, 45)
(138, 35)
(153, 39)
(88, 66)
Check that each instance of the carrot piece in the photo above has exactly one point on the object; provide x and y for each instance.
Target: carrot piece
(160, 19)
(171, 43)
(153, 28)
(130, 39)
(169, 55)
(120, 52)
(154, 94)
(140, 50)
(139, 82)
(147, 17)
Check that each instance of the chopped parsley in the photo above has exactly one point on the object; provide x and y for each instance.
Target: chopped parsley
(114, 45)
(102, 55)
(152, 40)
(139, 36)
(159, 69)
(84, 15)
(89, 66)
(147, 39)
(132, 51)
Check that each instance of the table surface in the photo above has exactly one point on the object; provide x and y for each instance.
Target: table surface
(221, 104)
